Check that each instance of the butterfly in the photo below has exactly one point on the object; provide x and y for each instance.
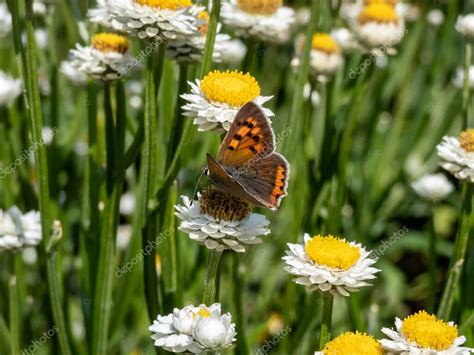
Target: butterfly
(247, 165)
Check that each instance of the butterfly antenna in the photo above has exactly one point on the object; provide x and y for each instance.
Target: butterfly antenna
(197, 186)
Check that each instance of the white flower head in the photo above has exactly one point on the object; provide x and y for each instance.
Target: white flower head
(215, 100)
(266, 20)
(19, 230)
(422, 333)
(221, 222)
(457, 155)
(233, 52)
(124, 234)
(379, 27)
(325, 56)
(189, 48)
(433, 187)
(326, 263)
(5, 20)
(458, 80)
(465, 26)
(10, 89)
(106, 59)
(127, 203)
(72, 73)
(346, 39)
(435, 17)
(165, 19)
(194, 329)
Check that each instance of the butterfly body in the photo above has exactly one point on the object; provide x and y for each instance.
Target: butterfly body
(247, 165)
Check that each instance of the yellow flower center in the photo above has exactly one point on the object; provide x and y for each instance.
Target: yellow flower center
(378, 12)
(390, 2)
(332, 252)
(203, 312)
(203, 25)
(165, 4)
(231, 87)
(353, 344)
(325, 43)
(429, 332)
(466, 139)
(110, 42)
(260, 7)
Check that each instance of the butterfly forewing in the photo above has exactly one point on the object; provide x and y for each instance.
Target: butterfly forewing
(250, 137)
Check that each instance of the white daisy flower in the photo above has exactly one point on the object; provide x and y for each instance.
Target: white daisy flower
(458, 80)
(190, 48)
(233, 52)
(346, 39)
(5, 20)
(147, 18)
(350, 343)
(422, 333)
(124, 234)
(194, 329)
(221, 222)
(105, 59)
(326, 263)
(465, 26)
(215, 100)
(379, 27)
(457, 155)
(19, 230)
(435, 17)
(266, 20)
(127, 203)
(433, 187)
(10, 89)
(72, 73)
(351, 10)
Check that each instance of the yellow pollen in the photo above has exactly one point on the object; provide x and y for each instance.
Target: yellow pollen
(466, 139)
(389, 2)
(260, 7)
(203, 312)
(332, 252)
(110, 42)
(353, 344)
(378, 12)
(231, 87)
(203, 18)
(165, 4)
(429, 332)
(325, 43)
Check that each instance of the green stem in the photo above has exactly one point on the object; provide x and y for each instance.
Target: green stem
(432, 264)
(457, 259)
(210, 38)
(466, 87)
(252, 46)
(14, 316)
(295, 122)
(209, 296)
(115, 136)
(239, 291)
(148, 180)
(355, 313)
(33, 103)
(326, 319)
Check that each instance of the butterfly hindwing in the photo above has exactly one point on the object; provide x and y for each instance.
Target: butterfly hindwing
(266, 179)
(250, 137)
(226, 181)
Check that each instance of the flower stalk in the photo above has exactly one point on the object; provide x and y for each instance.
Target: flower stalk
(458, 257)
(210, 289)
(466, 87)
(326, 319)
(210, 38)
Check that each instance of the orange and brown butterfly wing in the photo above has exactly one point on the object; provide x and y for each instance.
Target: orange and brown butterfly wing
(250, 137)
(226, 181)
(266, 180)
